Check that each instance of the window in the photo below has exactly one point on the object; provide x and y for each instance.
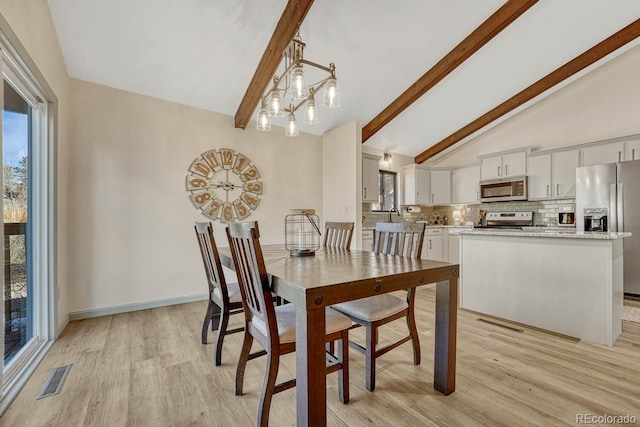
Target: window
(388, 196)
(27, 145)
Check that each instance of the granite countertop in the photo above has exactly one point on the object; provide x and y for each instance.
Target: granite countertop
(569, 234)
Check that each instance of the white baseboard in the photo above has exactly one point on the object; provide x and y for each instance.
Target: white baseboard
(61, 326)
(125, 308)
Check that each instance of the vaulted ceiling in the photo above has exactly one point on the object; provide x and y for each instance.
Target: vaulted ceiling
(421, 75)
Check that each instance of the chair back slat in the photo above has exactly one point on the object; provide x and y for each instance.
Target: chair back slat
(403, 239)
(245, 248)
(211, 259)
(338, 234)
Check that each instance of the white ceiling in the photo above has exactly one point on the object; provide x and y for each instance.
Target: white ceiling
(204, 53)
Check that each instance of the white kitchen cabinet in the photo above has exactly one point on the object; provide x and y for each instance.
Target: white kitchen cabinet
(611, 152)
(540, 176)
(417, 185)
(440, 187)
(434, 246)
(563, 173)
(504, 165)
(370, 179)
(465, 184)
(632, 150)
(553, 175)
(367, 240)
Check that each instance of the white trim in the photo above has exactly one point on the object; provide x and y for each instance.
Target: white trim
(17, 381)
(126, 308)
(60, 326)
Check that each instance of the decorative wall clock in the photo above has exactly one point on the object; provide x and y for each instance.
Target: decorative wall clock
(224, 185)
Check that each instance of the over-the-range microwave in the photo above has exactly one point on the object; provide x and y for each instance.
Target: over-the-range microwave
(503, 190)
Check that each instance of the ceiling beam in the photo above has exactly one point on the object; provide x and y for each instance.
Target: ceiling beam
(599, 51)
(497, 22)
(294, 13)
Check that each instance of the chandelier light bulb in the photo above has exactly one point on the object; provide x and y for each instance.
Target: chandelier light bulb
(331, 98)
(275, 104)
(310, 114)
(264, 121)
(291, 129)
(299, 90)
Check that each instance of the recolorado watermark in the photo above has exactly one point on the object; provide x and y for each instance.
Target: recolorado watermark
(605, 419)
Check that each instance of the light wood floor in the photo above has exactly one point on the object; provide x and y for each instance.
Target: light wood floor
(148, 368)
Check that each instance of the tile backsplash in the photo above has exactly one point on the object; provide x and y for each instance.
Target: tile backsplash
(545, 212)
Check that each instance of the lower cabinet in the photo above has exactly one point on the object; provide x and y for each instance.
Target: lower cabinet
(367, 240)
(434, 246)
(454, 248)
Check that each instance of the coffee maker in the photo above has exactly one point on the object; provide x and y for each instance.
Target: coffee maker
(595, 219)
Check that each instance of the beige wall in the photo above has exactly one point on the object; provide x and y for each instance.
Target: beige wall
(132, 237)
(342, 176)
(31, 21)
(601, 105)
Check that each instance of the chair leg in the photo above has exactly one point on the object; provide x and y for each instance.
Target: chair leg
(343, 374)
(370, 357)
(205, 324)
(242, 361)
(413, 331)
(216, 312)
(268, 388)
(222, 330)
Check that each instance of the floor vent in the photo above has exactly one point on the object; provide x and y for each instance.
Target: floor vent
(501, 325)
(54, 383)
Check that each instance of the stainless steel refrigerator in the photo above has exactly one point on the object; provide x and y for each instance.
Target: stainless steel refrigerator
(609, 196)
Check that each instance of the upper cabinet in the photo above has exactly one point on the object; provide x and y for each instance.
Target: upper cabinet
(504, 165)
(540, 176)
(610, 152)
(632, 150)
(441, 187)
(563, 173)
(553, 175)
(465, 186)
(417, 185)
(370, 180)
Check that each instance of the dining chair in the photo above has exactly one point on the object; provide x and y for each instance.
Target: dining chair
(274, 327)
(402, 239)
(337, 234)
(225, 298)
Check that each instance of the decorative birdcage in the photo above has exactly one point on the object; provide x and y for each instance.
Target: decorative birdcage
(302, 233)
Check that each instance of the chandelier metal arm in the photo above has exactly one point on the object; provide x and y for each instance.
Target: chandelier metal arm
(313, 64)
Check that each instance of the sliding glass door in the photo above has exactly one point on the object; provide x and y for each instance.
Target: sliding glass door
(17, 132)
(28, 233)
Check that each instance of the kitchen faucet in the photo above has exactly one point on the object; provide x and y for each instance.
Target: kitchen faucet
(393, 209)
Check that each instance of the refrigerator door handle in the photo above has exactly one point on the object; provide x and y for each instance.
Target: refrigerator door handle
(620, 207)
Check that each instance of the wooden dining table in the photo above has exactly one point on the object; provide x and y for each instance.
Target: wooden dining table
(333, 276)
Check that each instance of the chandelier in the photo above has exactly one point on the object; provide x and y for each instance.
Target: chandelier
(290, 92)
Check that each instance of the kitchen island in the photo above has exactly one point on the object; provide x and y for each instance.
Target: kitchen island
(565, 282)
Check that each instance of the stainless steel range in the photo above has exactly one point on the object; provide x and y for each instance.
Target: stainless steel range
(507, 220)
